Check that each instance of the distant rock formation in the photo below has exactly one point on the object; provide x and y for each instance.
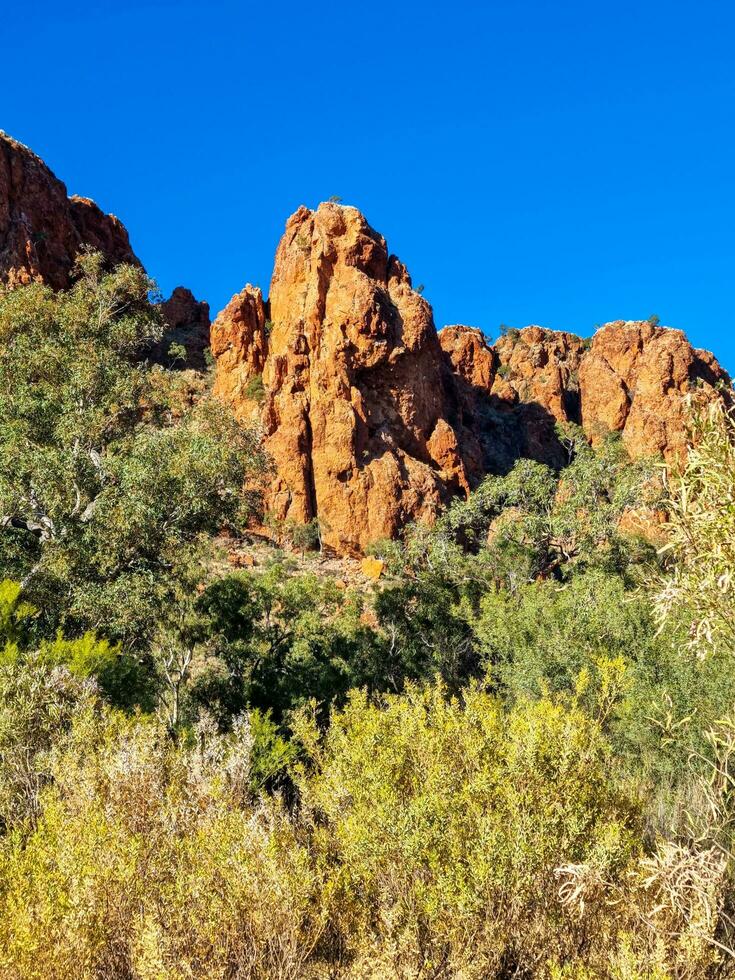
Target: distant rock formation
(374, 420)
(187, 326)
(638, 379)
(41, 229)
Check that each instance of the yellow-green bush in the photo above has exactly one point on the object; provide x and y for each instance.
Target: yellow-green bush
(445, 823)
(149, 861)
(428, 837)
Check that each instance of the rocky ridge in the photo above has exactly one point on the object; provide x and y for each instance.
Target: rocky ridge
(371, 417)
(42, 230)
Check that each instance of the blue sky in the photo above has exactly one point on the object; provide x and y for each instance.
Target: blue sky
(560, 163)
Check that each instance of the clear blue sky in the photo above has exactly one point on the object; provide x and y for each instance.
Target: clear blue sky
(560, 163)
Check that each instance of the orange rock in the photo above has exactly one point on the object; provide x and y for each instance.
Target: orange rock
(373, 568)
(355, 387)
(511, 395)
(372, 420)
(240, 345)
(542, 367)
(41, 229)
(641, 380)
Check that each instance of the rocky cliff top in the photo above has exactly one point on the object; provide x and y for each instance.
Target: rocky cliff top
(42, 229)
(371, 417)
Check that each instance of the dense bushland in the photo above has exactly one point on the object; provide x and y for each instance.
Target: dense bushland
(511, 757)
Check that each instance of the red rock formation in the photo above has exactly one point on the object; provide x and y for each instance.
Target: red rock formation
(512, 394)
(355, 389)
(187, 322)
(41, 229)
(373, 421)
(639, 379)
(541, 366)
(239, 341)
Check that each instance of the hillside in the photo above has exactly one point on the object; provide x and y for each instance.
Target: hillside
(372, 418)
(333, 645)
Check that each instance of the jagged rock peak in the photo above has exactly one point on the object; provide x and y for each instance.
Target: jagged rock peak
(374, 420)
(356, 396)
(42, 229)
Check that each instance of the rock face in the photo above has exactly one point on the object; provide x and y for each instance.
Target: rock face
(355, 390)
(239, 339)
(373, 420)
(187, 321)
(638, 379)
(512, 395)
(356, 394)
(41, 229)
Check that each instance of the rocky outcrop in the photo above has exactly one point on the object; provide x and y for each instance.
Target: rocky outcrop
(512, 394)
(41, 229)
(373, 420)
(635, 378)
(187, 327)
(542, 368)
(239, 338)
(640, 379)
(356, 399)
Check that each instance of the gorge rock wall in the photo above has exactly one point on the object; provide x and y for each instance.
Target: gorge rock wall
(374, 420)
(42, 229)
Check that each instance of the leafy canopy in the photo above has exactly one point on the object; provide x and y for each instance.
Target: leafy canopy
(105, 479)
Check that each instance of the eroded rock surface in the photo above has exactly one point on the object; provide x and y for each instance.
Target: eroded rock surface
(373, 420)
(639, 379)
(187, 322)
(355, 389)
(41, 229)
(513, 393)
(239, 339)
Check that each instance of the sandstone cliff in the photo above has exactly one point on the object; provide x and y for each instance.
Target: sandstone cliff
(41, 229)
(355, 394)
(373, 419)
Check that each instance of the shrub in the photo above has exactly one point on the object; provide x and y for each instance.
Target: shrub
(447, 820)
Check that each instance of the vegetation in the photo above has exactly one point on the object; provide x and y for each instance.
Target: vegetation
(512, 756)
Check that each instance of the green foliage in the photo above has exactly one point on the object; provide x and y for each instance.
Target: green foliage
(499, 759)
(254, 389)
(448, 818)
(700, 581)
(102, 484)
(276, 640)
(177, 353)
(15, 614)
